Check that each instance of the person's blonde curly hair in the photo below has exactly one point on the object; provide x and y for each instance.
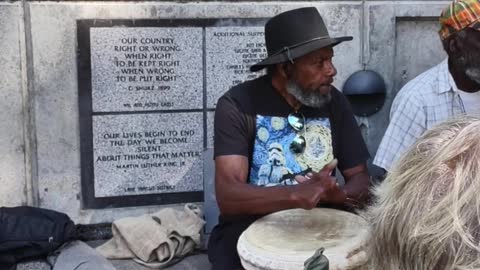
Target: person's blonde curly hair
(426, 214)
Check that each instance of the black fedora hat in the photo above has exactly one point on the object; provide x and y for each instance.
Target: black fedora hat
(294, 33)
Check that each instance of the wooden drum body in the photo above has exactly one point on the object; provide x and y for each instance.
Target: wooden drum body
(286, 239)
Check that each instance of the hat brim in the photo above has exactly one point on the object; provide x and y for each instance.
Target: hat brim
(299, 51)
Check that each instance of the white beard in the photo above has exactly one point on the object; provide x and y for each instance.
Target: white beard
(308, 98)
(473, 74)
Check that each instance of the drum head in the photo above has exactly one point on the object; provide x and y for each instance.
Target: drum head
(286, 239)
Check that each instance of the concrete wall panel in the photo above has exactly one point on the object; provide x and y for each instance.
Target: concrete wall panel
(401, 42)
(12, 150)
(389, 29)
(412, 58)
(56, 90)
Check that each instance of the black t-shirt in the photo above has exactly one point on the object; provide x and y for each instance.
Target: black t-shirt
(251, 120)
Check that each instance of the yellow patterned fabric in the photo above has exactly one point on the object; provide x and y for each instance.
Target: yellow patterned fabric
(319, 150)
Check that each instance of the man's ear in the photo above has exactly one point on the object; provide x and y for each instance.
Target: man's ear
(454, 46)
(284, 69)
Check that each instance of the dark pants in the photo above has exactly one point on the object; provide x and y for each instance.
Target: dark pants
(222, 245)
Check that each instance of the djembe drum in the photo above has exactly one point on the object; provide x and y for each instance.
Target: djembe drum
(286, 239)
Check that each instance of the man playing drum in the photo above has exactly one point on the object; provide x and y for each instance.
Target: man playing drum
(279, 138)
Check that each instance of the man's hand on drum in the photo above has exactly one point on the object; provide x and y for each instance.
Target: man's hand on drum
(320, 186)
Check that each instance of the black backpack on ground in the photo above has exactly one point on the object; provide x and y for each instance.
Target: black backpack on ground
(29, 233)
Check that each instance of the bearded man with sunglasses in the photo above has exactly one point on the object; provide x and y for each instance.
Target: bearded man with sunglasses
(279, 138)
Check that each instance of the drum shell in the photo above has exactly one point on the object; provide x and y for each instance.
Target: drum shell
(281, 241)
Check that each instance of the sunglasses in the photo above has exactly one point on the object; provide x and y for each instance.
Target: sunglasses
(297, 121)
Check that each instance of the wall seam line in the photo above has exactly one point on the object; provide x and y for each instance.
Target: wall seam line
(29, 127)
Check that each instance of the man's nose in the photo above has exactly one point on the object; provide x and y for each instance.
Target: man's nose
(330, 69)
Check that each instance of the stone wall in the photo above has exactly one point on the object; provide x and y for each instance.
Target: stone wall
(13, 168)
(40, 142)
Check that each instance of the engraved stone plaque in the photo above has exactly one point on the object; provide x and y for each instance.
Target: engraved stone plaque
(230, 51)
(147, 153)
(146, 68)
(147, 93)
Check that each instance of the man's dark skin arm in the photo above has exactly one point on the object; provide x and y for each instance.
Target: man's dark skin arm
(236, 197)
(355, 192)
(357, 185)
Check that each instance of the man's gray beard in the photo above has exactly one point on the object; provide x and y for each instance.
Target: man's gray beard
(473, 74)
(468, 62)
(309, 98)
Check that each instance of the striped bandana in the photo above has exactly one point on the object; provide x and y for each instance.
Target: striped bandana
(459, 15)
